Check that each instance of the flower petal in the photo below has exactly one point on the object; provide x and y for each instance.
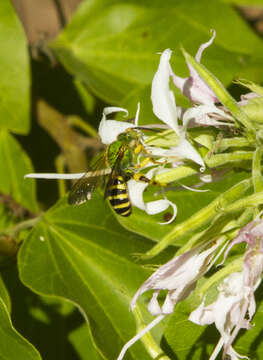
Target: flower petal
(200, 115)
(163, 101)
(186, 151)
(110, 129)
(55, 176)
(194, 87)
(204, 46)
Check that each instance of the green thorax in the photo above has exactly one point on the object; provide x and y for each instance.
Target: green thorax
(121, 152)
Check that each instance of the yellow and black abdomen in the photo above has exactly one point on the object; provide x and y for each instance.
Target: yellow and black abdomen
(117, 193)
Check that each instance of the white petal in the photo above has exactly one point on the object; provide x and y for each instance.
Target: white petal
(153, 306)
(168, 305)
(110, 129)
(204, 46)
(200, 115)
(136, 189)
(163, 101)
(136, 121)
(156, 206)
(186, 151)
(202, 315)
(54, 176)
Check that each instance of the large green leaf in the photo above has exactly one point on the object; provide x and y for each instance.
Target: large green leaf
(15, 75)
(112, 45)
(12, 344)
(83, 254)
(14, 164)
(83, 342)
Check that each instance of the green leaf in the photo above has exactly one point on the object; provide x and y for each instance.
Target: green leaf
(4, 295)
(14, 164)
(13, 345)
(44, 321)
(15, 78)
(86, 258)
(83, 341)
(184, 339)
(112, 45)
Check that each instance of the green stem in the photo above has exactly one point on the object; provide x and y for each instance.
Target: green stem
(233, 142)
(256, 170)
(21, 226)
(175, 174)
(249, 201)
(201, 218)
(221, 159)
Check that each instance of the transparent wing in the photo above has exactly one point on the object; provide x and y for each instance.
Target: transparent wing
(84, 187)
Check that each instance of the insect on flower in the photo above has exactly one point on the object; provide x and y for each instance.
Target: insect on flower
(116, 163)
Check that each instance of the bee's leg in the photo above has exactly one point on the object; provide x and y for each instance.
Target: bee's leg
(142, 177)
(143, 163)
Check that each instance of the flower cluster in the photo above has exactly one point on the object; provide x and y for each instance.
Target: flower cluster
(235, 304)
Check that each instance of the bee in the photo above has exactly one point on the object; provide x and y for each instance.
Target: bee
(114, 164)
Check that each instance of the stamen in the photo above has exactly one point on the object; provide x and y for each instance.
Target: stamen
(139, 335)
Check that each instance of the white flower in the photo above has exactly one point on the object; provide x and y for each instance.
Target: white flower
(110, 129)
(163, 100)
(194, 87)
(235, 305)
(178, 276)
(164, 107)
(136, 189)
(225, 312)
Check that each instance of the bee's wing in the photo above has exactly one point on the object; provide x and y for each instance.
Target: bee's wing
(83, 188)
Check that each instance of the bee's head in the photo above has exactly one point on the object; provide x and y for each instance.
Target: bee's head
(129, 136)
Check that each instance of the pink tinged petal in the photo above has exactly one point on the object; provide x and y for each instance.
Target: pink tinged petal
(247, 97)
(110, 129)
(163, 101)
(153, 306)
(234, 355)
(199, 115)
(257, 231)
(194, 87)
(168, 305)
(202, 315)
(179, 274)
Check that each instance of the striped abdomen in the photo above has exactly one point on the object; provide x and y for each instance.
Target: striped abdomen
(119, 197)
